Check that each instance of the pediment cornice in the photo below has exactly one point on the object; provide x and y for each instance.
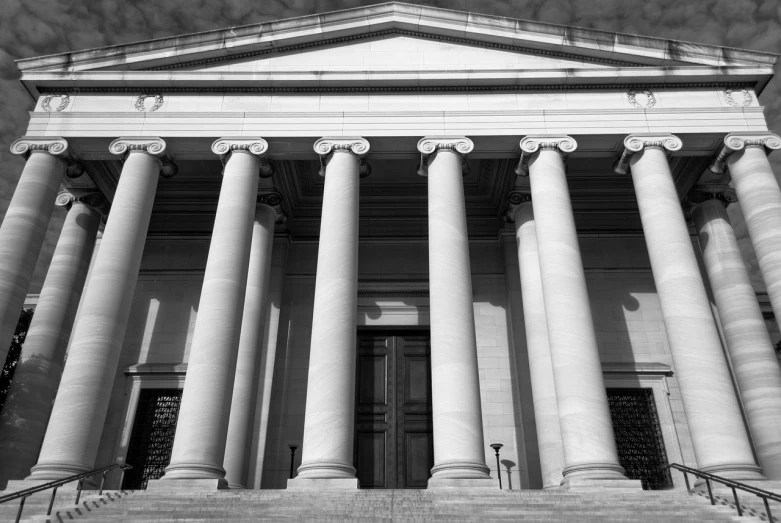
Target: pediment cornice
(428, 22)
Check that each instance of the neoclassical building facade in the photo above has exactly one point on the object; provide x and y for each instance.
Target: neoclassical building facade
(356, 249)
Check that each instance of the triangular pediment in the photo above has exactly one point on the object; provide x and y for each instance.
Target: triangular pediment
(393, 38)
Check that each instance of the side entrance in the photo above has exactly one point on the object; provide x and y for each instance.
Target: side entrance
(394, 443)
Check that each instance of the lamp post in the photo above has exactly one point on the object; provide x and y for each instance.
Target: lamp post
(496, 447)
(293, 448)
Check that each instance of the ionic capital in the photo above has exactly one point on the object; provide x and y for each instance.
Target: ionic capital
(57, 147)
(634, 143)
(258, 147)
(532, 144)
(516, 199)
(152, 146)
(93, 199)
(735, 142)
(327, 147)
(430, 145)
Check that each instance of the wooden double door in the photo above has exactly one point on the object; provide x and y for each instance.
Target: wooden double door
(394, 444)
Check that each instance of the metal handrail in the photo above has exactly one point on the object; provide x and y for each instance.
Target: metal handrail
(708, 477)
(57, 483)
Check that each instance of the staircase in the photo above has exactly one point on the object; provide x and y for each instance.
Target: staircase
(381, 506)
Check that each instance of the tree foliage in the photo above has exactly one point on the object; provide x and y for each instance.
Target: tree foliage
(13, 353)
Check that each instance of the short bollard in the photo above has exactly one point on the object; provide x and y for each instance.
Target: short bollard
(496, 447)
(292, 448)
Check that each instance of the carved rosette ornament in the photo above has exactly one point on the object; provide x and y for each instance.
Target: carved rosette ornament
(57, 147)
(224, 147)
(152, 146)
(735, 142)
(62, 102)
(737, 97)
(642, 99)
(516, 199)
(141, 104)
(327, 147)
(431, 145)
(93, 199)
(634, 143)
(531, 144)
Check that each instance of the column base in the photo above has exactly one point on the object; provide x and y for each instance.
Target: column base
(435, 483)
(742, 473)
(323, 484)
(597, 476)
(186, 485)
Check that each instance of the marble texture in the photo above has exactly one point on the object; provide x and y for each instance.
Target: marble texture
(546, 412)
(201, 431)
(459, 446)
(586, 427)
(76, 423)
(22, 234)
(37, 375)
(760, 201)
(712, 409)
(754, 361)
(327, 449)
(253, 325)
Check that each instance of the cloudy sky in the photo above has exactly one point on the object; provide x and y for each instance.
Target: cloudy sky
(39, 27)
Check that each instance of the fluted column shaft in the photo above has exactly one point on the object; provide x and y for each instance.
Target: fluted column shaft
(584, 418)
(327, 450)
(73, 434)
(459, 447)
(546, 412)
(24, 226)
(712, 411)
(201, 431)
(754, 361)
(760, 200)
(253, 324)
(37, 375)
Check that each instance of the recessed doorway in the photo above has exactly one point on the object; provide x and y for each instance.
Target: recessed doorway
(394, 443)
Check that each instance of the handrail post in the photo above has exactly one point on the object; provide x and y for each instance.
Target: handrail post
(78, 492)
(102, 482)
(686, 479)
(710, 493)
(737, 504)
(21, 507)
(767, 509)
(51, 501)
(121, 477)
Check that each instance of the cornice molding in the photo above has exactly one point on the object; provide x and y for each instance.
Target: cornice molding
(431, 145)
(634, 143)
(152, 146)
(533, 143)
(735, 142)
(258, 147)
(326, 147)
(57, 147)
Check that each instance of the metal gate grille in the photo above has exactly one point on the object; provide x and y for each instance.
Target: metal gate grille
(149, 451)
(639, 437)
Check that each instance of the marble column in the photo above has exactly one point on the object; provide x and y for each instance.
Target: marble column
(201, 431)
(25, 223)
(76, 423)
(590, 455)
(459, 447)
(754, 361)
(745, 154)
(327, 450)
(546, 411)
(721, 444)
(37, 375)
(253, 325)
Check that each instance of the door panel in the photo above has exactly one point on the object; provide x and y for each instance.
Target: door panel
(393, 430)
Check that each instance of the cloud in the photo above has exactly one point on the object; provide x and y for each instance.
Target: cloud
(39, 27)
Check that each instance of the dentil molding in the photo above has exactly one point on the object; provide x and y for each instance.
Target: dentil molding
(152, 146)
(634, 143)
(735, 142)
(430, 145)
(535, 142)
(57, 147)
(258, 147)
(326, 147)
